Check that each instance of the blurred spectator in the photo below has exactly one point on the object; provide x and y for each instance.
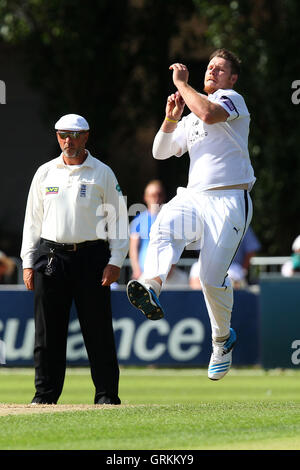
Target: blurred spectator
(7, 269)
(154, 197)
(194, 280)
(239, 268)
(292, 266)
(176, 278)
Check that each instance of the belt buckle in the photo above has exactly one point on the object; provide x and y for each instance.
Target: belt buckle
(73, 245)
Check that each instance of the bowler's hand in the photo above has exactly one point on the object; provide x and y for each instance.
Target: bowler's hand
(175, 106)
(28, 278)
(180, 74)
(111, 274)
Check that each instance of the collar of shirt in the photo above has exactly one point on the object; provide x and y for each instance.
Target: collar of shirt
(88, 162)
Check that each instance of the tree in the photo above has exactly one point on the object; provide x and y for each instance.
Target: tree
(107, 61)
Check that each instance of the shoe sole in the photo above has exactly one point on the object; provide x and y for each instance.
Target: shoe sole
(41, 403)
(111, 404)
(140, 298)
(219, 378)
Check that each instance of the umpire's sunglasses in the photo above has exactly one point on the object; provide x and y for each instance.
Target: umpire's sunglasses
(71, 134)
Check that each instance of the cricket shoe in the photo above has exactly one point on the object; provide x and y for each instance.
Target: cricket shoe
(145, 300)
(41, 401)
(221, 357)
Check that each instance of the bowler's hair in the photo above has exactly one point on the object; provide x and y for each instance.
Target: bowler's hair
(235, 62)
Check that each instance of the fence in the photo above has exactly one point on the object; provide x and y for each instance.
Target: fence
(259, 265)
(266, 318)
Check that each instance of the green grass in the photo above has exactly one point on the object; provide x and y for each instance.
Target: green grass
(169, 409)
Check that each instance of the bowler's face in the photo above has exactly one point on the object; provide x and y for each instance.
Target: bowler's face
(72, 147)
(218, 75)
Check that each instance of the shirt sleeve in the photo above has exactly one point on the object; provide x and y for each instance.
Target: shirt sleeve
(194, 272)
(32, 223)
(117, 221)
(232, 102)
(168, 144)
(135, 225)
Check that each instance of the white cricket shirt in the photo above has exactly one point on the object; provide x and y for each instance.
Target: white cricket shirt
(73, 204)
(218, 152)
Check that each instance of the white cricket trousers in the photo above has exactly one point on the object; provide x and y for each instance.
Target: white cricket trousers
(218, 219)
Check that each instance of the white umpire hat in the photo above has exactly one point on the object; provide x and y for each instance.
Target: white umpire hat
(72, 122)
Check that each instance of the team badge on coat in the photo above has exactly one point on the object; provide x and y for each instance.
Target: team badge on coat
(52, 190)
(83, 190)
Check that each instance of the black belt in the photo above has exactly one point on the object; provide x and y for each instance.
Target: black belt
(71, 246)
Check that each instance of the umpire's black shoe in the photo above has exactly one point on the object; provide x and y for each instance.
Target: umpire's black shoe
(42, 401)
(105, 400)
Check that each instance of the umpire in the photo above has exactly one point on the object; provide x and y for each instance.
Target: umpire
(75, 240)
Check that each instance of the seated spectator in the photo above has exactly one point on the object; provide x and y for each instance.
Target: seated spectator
(176, 278)
(194, 280)
(7, 269)
(292, 266)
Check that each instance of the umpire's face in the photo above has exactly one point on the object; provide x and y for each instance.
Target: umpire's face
(72, 143)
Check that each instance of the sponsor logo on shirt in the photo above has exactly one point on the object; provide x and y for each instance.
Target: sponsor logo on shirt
(197, 132)
(227, 101)
(82, 190)
(52, 190)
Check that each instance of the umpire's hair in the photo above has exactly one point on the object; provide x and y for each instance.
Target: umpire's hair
(235, 62)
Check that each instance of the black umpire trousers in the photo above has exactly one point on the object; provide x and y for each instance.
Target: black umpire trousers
(62, 276)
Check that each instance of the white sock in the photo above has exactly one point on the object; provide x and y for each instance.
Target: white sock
(221, 340)
(154, 285)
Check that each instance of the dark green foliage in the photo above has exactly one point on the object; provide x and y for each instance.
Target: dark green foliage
(109, 61)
